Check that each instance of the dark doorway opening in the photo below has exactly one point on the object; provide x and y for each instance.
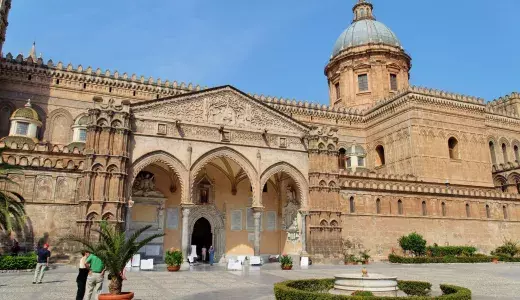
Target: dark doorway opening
(202, 237)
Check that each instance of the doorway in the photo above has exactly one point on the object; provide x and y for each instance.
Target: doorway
(202, 237)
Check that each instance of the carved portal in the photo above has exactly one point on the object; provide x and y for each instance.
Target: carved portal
(217, 221)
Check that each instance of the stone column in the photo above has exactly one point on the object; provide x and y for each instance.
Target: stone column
(257, 214)
(304, 233)
(184, 241)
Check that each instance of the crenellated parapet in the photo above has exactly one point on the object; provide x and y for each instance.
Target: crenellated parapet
(88, 79)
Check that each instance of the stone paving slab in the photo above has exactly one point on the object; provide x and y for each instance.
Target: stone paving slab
(487, 281)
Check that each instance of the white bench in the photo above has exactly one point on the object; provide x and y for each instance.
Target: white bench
(147, 264)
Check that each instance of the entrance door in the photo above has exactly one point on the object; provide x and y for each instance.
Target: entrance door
(202, 236)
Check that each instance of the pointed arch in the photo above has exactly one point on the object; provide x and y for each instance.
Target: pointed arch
(235, 156)
(176, 166)
(295, 174)
(59, 129)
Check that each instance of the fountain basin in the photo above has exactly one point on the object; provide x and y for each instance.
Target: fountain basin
(379, 285)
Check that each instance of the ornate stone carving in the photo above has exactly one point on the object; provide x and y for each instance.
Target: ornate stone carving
(290, 210)
(144, 185)
(217, 221)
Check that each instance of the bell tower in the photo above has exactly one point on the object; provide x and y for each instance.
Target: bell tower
(5, 7)
(368, 62)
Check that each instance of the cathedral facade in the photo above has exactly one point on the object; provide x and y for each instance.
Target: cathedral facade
(261, 175)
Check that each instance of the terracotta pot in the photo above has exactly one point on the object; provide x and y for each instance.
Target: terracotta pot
(122, 296)
(365, 262)
(286, 268)
(173, 268)
(495, 260)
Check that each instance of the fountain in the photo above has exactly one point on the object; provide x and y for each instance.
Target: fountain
(379, 285)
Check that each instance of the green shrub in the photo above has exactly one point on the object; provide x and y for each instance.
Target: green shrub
(363, 294)
(439, 260)
(439, 251)
(286, 261)
(507, 258)
(415, 288)
(318, 289)
(414, 243)
(18, 262)
(173, 257)
(509, 248)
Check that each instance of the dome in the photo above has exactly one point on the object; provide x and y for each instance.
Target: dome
(26, 112)
(364, 32)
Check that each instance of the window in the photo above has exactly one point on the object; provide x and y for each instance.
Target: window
(518, 186)
(503, 187)
(352, 205)
(517, 155)
(349, 162)
(363, 82)
(363, 12)
(378, 206)
(22, 128)
(492, 151)
(504, 211)
(380, 156)
(468, 210)
(453, 146)
(342, 158)
(393, 82)
(338, 90)
(265, 188)
(82, 135)
(324, 223)
(400, 207)
(361, 161)
(504, 152)
(424, 212)
(443, 208)
(488, 212)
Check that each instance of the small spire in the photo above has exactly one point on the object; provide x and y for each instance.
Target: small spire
(32, 53)
(28, 104)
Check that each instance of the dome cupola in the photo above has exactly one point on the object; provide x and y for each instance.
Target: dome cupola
(368, 62)
(25, 122)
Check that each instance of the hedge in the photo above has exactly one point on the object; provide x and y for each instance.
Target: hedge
(440, 251)
(318, 289)
(439, 260)
(415, 288)
(507, 258)
(18, 262)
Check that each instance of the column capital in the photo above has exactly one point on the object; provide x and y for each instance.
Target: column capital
(304, 213)
(258, 209)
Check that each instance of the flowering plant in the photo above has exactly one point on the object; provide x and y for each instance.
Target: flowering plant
(173, 257)
(286, 261)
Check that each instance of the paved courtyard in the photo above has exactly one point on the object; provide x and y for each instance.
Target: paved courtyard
(487, 281)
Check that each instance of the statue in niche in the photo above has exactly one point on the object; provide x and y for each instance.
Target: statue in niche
(290, 211)
(160, 216)
(204, 199)
(144, 185)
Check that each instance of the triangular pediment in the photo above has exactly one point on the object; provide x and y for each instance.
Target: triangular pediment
(222, 106)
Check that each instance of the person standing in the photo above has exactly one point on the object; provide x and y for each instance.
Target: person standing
(211, 255)
(81, 280)
(43, 262)
(204, 253)
(96, 276)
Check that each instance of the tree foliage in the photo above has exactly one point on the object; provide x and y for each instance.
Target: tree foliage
(414, 242)
(12, 211)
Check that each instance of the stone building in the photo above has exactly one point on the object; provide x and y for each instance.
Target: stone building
(262, 175)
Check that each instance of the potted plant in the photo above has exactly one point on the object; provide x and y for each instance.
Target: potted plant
(286, 262)
(173, 259)
(350, 259)
(364, 256)
(115, 250)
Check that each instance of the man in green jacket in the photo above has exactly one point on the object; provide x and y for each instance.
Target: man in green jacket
(95, 276)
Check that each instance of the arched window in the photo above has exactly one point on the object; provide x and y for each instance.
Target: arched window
(517, 155)
(518, 186)
(443, 208)
(342, 158)
(334, 223)
(380, 156)
(488, 212)
(468, 210)
(504, 211)
(324, 223)
(363, 12)
(503, 187)
(492, 151)
(352, 205)
(400, 207)
(504, 153)
(453, 146)
(378, 206)
(423, 207)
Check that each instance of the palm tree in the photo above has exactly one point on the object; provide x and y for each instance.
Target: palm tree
(12, 212)
(115, 250)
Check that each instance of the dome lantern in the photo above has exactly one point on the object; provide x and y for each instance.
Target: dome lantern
(363, 11)
(25, 122)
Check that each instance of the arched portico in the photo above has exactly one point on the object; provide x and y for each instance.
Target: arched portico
(300, 180)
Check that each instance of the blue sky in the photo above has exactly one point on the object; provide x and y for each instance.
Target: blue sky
(270, 47)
